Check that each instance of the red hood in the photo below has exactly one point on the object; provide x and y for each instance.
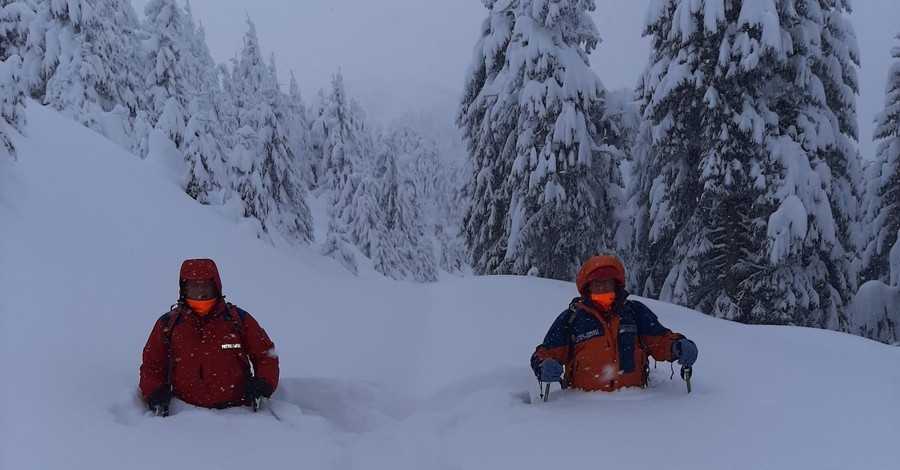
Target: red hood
(196, 270)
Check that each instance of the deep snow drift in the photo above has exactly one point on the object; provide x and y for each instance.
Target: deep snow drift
(376, 374)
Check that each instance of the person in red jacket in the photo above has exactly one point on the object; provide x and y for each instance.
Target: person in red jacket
(205, 351)
(604, 339)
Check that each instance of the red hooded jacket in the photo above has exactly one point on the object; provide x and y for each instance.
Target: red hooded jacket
(212, 355)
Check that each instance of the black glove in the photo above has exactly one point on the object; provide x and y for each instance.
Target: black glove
(256, 387)
(159, 399)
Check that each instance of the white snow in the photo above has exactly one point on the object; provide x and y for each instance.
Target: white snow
(787, 228)
(375, 374)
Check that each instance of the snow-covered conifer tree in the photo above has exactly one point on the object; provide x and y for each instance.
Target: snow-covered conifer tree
(15, 18)
(882, 210)
(83, 59)
(48, 42)
(744, 174)
(99, 75)
(488, 122)
(449, 213)
(836, 66)
(12, 107)
(13, 29)
(434, 186)
(169, 59)
(546, 182)
(205, 139)
(408, 211)
(264, 165)
(298, 131)
(346, 165)
(875, 310)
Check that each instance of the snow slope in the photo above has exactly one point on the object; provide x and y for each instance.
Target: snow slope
(376, 374)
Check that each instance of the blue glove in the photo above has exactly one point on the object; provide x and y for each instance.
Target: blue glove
(685, 351)
(551, 371)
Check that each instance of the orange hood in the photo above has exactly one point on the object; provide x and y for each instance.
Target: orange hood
(600, 267)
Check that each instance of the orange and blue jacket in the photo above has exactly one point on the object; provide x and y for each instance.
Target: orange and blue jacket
(606, 350)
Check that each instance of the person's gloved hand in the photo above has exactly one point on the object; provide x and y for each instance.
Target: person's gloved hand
(685, 351)
(159, 399)
(256, 387)
(551, 370)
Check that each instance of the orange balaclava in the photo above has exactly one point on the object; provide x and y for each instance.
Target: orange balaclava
(202, 307)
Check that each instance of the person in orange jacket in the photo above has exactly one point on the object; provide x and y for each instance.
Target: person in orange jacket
(604, 339)
(205, 351)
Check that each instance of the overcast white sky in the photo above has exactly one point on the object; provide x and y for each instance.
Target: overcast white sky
(411, 48)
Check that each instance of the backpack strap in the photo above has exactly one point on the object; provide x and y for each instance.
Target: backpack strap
(170, 319)
(645, 372)
(570, 330)
(570, 335)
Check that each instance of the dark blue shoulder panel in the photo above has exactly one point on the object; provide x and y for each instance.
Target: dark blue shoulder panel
(556, 335)
(648, 323)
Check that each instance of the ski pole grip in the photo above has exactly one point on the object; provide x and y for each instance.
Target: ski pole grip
(686, 375)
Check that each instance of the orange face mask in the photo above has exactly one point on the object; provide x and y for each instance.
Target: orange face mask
(202, 307)
(604, 300)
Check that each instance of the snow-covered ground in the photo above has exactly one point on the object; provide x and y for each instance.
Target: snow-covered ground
(376, 374)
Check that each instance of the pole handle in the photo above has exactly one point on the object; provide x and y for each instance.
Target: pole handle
(686, 372)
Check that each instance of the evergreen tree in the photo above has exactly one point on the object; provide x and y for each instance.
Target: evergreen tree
(744, 173)
(120, 40)
(345, 165)
(12, 106)
(408, 252)
(624, 118)
(447, 192)
(13, 19)
(432, 183)
(83, 59)
(298, 129)
(545, 183)
(266, 175)
(54, 23)
(882, 212)
(169, 60)
(836, 65)
(205, 139)
(100, 73)
(488, 121)
(316, 140)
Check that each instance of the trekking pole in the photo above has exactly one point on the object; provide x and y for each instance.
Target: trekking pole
(545, 392)
(271, 411)
(686, 372)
